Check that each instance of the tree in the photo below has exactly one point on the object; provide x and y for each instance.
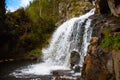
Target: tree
(2, 21)
(2, 9)
(2, 15)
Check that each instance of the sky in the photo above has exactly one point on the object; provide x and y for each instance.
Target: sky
(13, 5)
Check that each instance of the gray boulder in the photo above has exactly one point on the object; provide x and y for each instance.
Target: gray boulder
(74, 59)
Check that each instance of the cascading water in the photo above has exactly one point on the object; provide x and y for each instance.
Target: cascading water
(73, 35)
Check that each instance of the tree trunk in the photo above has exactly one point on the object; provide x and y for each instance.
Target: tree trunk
(2, 13)
(2, 18)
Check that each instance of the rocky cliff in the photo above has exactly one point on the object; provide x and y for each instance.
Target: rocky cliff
(72, 8)
(103, 58)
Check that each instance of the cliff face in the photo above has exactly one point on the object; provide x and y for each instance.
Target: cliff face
(72, 8)
(103, 58)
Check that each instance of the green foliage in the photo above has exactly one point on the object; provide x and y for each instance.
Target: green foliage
(45, 9)
(35, 53)
(111, 42)
(30, 28)
(2, 9)
(106, 42)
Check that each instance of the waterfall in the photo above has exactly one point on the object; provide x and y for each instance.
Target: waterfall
(72, 35)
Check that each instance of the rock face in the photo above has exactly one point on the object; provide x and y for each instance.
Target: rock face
(102, 63)
(114, 7)
(72, 8)
(98, 63)
(107, 6)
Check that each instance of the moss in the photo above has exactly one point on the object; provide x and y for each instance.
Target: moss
(111, 42)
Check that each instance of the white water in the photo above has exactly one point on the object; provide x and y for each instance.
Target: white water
(72, 35)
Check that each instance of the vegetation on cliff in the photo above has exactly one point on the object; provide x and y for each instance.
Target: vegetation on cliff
(111, 42)
(29, 29)
(26, 30)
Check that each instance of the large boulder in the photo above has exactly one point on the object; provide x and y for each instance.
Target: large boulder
(77, 68)
(74, 59)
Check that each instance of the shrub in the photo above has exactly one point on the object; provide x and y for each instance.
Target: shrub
(35, 53)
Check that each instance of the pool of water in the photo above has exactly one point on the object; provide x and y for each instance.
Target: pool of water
(32, 70)
(7, 68)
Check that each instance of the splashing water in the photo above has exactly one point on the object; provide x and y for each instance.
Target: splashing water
(72, 35)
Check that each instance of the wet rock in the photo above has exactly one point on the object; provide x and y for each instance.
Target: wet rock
(64, 75)
(74, 58)
(63, 78)
(77, 68)
(61, 72)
